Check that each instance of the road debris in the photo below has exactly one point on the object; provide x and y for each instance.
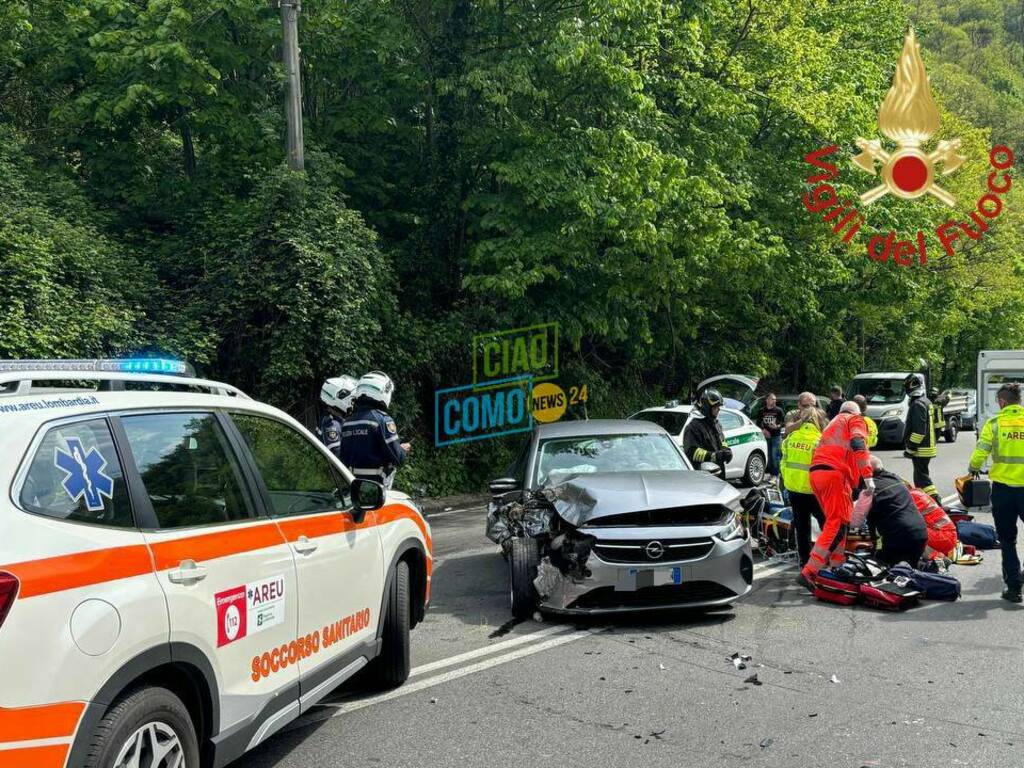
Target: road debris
(835, 680)
(753, 680)
(765, 743)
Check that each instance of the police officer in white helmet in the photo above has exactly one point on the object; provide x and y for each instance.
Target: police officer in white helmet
(336, 395)
(370, 445)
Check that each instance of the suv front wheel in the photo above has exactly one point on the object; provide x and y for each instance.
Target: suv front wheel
(392, 666)
(146, 728)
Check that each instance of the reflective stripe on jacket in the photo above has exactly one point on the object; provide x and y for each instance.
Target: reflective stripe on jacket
(797, 453)
(1003, 438)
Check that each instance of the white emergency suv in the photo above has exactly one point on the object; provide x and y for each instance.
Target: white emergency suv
(183, 570)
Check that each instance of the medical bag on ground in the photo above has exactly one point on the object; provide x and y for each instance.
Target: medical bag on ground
(980, 535)
(861, 569)
(974, 491)
(895, 595)
(933, 586)
(832, 588)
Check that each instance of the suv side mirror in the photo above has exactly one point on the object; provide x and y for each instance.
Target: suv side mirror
(366, 497)
(503, 485)
(710, 467)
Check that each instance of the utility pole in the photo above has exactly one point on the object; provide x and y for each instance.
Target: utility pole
(293, 95)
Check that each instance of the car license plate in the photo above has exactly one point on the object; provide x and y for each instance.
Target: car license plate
(632, 579)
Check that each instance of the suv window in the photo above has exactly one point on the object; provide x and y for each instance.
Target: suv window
(189, 472)
(75, 475)
(299, 478)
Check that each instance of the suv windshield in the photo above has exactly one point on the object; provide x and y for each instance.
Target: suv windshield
(671, 421)
(556, 459)
(877, 390)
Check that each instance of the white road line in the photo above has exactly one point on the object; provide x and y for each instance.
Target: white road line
(433, 515)
(344, 708)
(487, 650)
(951, 497)
(771, 570)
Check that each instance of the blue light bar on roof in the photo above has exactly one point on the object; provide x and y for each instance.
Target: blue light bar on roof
(159, 365)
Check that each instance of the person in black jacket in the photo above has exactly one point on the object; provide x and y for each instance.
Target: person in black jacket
(703, 438)
(835, 402)
(919, 436)
(894, 515)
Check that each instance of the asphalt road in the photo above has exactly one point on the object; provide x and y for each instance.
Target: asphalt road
(939, 685)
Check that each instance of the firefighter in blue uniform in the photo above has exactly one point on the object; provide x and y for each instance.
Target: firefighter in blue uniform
(370, 445)
(336, 395)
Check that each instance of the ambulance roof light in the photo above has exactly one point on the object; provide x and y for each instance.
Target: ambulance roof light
(165, 366)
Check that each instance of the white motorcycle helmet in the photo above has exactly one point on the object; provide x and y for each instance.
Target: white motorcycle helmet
(337, 393)
(376, 386)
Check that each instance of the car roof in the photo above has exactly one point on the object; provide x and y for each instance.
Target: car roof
(597, 427)
(882, 375)
(668, 409)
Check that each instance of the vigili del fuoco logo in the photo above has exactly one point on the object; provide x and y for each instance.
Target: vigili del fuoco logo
(908, 117)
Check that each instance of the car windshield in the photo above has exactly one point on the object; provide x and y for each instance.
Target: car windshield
(558, 458)
(877, 390)
(671, 421)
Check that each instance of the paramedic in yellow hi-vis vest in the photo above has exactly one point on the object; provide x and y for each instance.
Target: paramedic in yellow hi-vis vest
(802, 436)
(862, 403)
(919, 437)
(1003, 438)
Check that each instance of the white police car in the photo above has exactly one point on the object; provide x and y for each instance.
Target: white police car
(743, 436)
(183, 570)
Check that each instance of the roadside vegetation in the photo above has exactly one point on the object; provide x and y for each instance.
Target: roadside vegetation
(632, 169)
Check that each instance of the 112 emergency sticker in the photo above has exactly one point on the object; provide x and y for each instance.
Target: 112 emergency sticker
(249, 609)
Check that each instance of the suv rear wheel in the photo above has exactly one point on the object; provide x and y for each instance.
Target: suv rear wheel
(522, 564)
(392, 666)
(146, 728)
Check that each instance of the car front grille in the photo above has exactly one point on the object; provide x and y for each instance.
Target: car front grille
(646, 550)
(653, 597)
(698, 514)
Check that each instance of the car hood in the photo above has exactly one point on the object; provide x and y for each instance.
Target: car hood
(582, 498)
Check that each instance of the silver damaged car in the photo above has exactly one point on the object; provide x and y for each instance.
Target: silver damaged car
(607, 516)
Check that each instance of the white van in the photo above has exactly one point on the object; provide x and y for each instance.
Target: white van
(996, 366)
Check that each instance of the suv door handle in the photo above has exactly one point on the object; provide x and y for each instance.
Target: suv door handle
(187, 573)
(304, 546)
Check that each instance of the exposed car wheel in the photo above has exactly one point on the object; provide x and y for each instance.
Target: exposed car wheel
(146, 728)
(951, 431)
(522, 566)
(754, 472)
(391, 668)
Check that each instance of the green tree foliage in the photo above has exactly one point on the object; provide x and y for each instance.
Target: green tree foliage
(632, 169)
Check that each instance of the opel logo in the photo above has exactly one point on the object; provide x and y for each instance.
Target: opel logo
(655, 550)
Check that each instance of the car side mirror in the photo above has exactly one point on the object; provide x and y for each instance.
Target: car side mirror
(503, 485)
(710, 467)
(366, 497)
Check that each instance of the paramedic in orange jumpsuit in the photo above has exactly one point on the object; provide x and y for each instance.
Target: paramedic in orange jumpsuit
(839, 463)
(941, 530)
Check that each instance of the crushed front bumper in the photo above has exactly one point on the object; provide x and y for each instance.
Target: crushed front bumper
(719, 578)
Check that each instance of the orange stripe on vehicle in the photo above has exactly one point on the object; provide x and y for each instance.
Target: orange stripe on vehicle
(35, 757)
(56, 574)
(210, 546)
(49, 721)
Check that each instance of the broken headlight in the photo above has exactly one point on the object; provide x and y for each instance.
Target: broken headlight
(733, 529)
